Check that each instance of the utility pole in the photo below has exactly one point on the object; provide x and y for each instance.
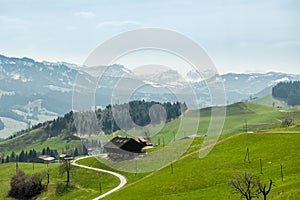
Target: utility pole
(135, 166)
(48, 177)
(17, 166)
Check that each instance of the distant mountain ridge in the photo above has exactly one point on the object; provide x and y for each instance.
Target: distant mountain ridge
(32, 92)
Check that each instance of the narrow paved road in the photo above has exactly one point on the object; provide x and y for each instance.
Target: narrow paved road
(123, 180)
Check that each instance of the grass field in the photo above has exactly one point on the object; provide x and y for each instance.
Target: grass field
(192, 177)
(36, 139)
(86, 182)
(269, 100)
(207, 178)
(257, 116)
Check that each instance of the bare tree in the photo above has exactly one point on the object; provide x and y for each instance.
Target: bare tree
(249, 186)
(246, 185)
(263, 190)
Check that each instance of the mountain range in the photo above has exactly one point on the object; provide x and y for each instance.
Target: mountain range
(32, 92)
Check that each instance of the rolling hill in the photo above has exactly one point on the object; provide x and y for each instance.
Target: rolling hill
(190, 177)
(85, 185)
(258, 117)
(271, 101)
(195, 178)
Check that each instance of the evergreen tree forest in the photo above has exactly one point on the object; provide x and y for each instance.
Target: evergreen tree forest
(91, 122)
(33, 155)
(289, 91)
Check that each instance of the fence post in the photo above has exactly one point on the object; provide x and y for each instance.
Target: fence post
(281, 172)
(247, 155)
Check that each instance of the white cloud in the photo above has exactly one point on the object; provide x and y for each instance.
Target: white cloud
(86, 14)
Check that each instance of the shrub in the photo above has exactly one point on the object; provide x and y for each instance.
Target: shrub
(25, 186)
(62, 187)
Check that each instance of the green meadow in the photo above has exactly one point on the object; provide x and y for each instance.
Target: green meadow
(207, 178)
(85, 183)
(257, 117)
(191, 177)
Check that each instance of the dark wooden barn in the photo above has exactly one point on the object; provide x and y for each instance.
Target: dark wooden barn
(126, 148)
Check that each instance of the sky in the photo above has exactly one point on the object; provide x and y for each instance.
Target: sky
(239, 36)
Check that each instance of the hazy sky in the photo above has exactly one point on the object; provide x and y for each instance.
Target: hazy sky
(240, 36)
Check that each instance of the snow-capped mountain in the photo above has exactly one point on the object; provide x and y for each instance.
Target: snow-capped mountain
(239, 87)
(160, 76)
(32, 92)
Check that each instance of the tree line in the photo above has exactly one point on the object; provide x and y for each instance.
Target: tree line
(141, 113)
(91, 122)
(290, 91)
(33, 155)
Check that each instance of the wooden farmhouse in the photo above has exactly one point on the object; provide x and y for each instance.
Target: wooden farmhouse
(126, 148)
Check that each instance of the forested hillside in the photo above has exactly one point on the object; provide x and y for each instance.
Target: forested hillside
(91, 122)
(290, 91)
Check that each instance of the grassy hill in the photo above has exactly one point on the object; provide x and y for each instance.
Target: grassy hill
(258, 117)
(85, 182)
(192, 177)
(195, 178)
(269, 100)
(207, 178)
(38, 139)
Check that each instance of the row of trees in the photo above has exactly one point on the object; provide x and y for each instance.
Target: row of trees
(139, 113)
(32, 155)
(110, 118)
(290, 91)
(126, 116)
(28, 156)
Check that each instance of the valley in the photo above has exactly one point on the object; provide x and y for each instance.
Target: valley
(189, 176)
(29, 99)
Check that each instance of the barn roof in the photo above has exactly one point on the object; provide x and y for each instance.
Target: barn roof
(144, 140)
(117, 142)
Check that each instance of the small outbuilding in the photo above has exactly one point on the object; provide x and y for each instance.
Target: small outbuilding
(47, 159)
(65, 157)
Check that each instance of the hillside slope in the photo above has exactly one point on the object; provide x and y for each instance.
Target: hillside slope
(195, 178)
(269, 100)
(258, 117)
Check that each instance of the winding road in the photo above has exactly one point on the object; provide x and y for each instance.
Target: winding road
(122, 179)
